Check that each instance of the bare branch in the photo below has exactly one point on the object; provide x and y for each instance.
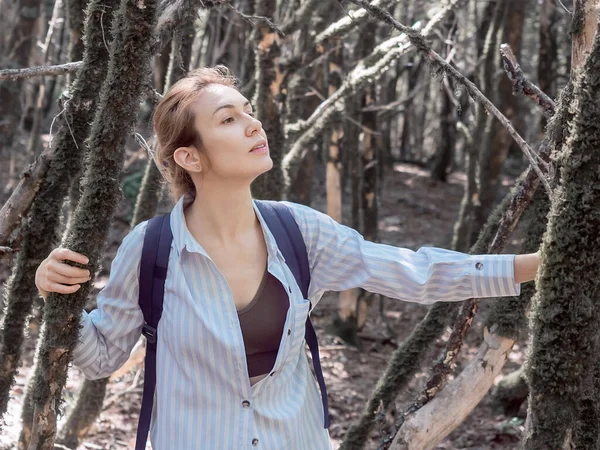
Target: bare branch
(306, 9)
(418, 40)
(522, 84)
(251, 19)
(18, 204)
(29, 72)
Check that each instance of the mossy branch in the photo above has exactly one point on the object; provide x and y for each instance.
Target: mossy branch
(119, 99)
(41, 232)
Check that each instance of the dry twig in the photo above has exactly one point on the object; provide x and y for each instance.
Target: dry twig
(522, 84)
(29, 72)
(18, 204)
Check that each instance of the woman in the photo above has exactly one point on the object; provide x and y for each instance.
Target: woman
(212, 391)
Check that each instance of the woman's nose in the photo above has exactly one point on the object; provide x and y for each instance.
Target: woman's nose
(255, 125)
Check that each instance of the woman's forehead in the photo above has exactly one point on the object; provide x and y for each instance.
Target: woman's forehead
(215, 95)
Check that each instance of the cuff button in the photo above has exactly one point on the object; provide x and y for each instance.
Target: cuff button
(479, 265)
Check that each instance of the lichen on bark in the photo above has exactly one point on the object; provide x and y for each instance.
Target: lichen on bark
(566, 315)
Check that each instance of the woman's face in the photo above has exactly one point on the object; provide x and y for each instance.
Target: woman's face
(230, 134)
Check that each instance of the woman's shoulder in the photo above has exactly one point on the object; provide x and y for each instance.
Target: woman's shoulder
(300, 211)
(311, 220)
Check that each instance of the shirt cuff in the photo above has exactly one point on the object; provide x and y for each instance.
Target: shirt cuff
(493, 276)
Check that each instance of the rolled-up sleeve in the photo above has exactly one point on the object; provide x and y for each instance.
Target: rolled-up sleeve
(340, 258)
(109, 332)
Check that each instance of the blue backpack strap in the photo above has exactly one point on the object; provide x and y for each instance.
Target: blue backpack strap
(153, 272)
(289, 239)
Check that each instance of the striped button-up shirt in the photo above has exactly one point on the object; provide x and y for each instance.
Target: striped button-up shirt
(204, 400)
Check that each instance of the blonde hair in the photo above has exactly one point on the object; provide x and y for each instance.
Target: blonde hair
(173, 123)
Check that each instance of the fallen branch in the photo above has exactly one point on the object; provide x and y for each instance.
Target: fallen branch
(18, 204)
(460, 398)
(523, 85)
(418, 40)
(29, 72)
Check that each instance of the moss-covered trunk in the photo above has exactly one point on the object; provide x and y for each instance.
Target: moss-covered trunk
(566, 315)
(41, 232)
(119, 99)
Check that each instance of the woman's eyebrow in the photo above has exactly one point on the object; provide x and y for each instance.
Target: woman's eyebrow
(229, 105)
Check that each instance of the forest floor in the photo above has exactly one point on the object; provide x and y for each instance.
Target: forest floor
(415, 211)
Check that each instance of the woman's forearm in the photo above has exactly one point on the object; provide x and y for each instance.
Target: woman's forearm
(526, 267)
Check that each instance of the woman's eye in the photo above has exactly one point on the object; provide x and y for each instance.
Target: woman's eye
(228, 119)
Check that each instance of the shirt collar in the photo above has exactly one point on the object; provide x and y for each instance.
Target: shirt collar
(182, 238)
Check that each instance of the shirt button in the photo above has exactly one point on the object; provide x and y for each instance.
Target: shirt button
(479, 266)
(255, 442)
(273, 373)
(289, 332)
(246, 404)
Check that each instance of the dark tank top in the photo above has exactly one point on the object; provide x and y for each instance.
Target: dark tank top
(262, 322)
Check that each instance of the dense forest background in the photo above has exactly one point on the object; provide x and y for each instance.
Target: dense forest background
(464, 124)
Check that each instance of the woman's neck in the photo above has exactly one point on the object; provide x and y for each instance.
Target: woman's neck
(224, 216)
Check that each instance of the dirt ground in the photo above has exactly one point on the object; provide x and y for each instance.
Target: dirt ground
(414, 212)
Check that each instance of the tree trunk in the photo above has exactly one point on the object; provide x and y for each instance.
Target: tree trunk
(444, 154)
(566, 315)
(471, 217)
(353, 307)
(115, 116)
(547, 65)
(447, 136)
(268, 86)
(16, 56)
(41, 233)
(493, 156)
(511, 392)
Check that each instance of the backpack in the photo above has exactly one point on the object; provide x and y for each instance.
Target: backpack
(153, 272)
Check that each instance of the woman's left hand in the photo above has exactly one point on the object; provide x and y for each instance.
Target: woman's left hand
(526, 267)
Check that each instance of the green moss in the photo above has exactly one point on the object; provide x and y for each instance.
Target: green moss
(566, 315)
(115, 116)
(40, 234)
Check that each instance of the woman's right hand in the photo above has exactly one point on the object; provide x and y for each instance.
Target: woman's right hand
(54, 275)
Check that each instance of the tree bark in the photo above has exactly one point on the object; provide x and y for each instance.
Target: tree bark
(16, 56)
(41, 233)
(268, 91)
(547, 65)
(129, 60)
(494, 154)
(566, 311)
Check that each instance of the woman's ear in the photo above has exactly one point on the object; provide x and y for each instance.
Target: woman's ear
(188, 158)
